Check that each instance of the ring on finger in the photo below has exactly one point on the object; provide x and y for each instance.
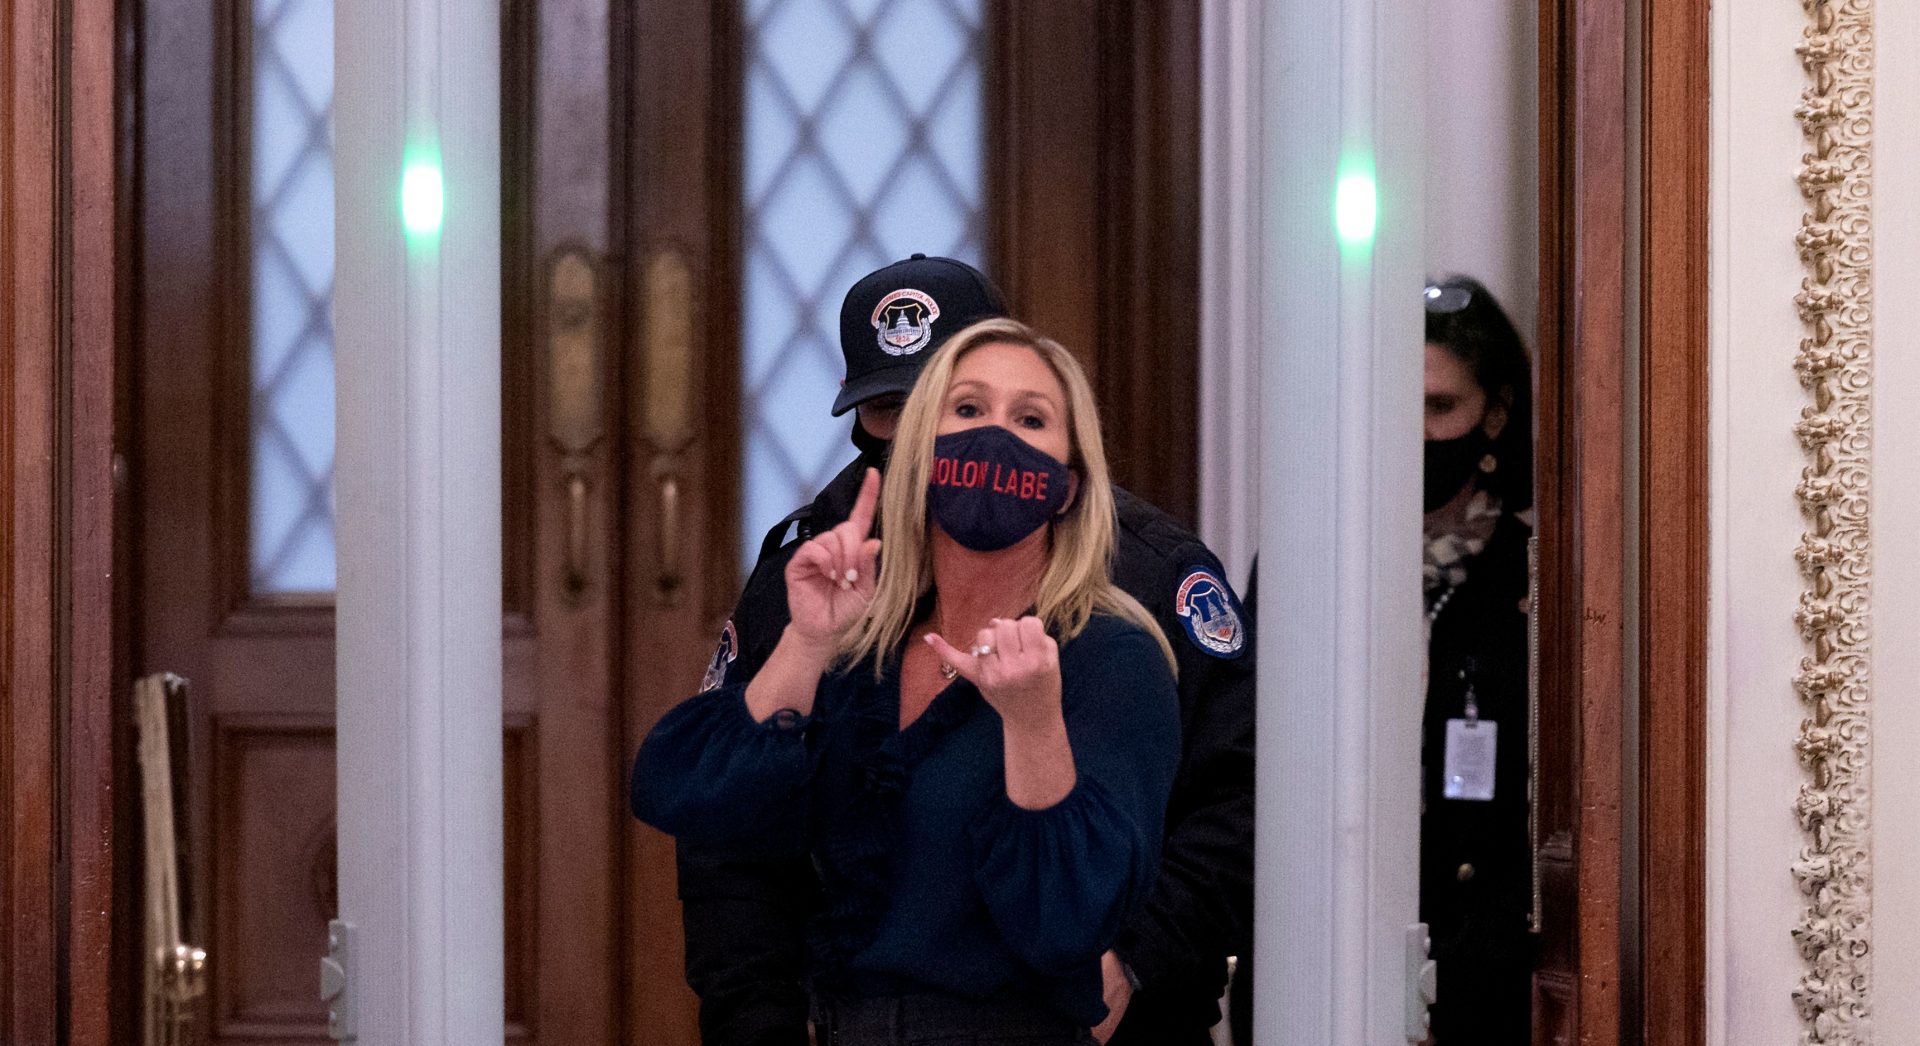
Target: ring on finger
(983, 650)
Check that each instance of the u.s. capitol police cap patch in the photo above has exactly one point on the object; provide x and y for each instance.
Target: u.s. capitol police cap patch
(1210, 613)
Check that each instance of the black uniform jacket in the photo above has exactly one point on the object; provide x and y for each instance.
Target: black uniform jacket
(1476, 864)
(745, 922)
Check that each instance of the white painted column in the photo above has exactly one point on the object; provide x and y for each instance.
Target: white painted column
(1230, 252)
(1340, 654)
(417, 334)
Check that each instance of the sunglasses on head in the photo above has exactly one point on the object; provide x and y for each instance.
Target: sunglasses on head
(1444, 300)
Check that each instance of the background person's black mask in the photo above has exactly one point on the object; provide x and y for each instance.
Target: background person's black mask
(989, 488)
(1451, 462)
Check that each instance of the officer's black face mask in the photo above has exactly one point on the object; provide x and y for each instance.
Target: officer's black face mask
(1451, 463)
(873, 450)
(990, 488)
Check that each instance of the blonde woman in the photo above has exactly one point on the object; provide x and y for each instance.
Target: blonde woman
(973, 736)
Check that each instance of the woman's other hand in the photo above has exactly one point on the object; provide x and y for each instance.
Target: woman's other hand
(830, 578)
(1118, 992)
(1016, 666)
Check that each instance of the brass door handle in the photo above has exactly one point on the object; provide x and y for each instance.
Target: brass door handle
(176, 973)
(573, 391)
(669, 423)
(668, 579)
(576, 559)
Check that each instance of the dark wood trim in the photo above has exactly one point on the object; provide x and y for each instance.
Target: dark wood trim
(29, 326)
(129, 923)
(94, 691)
(725, 283)
(230, 377)
(519, 306)
(1675, 200)
(60, 278)
(1148, 383)
(1042, 72)
(1093, 225)
(1581, 477)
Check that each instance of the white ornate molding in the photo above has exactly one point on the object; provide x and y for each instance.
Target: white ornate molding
(1835, 364)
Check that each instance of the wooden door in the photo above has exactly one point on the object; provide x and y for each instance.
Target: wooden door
(233, 407)
(634, 405)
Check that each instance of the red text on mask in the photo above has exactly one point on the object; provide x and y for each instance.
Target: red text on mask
(1024, 484)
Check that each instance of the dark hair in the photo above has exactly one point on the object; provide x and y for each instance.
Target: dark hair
(1480, 335)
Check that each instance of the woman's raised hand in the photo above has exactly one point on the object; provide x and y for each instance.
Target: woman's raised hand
(1016, 666)
(830, 579)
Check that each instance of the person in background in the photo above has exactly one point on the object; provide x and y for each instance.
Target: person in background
(745, 917)
(973, 738)
(1476, 863)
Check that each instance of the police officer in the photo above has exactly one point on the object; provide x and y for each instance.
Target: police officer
(745, 922)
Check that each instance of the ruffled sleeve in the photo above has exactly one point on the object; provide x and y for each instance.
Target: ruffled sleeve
(709, 775)
(1059, 882)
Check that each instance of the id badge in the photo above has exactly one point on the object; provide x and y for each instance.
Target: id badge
(1468, 772)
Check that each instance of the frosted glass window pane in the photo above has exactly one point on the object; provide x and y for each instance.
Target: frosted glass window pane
(291, 547)
(863, 146)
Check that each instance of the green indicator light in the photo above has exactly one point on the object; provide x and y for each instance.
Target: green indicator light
(1356, 210)
(422, 201)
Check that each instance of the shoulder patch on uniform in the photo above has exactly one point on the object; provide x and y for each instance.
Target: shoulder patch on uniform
(1210, 613)
(723, 655)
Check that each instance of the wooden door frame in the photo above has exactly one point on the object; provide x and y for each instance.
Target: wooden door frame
(1675, 190)
(1581, 465)
(1648, 984)
(65, 915)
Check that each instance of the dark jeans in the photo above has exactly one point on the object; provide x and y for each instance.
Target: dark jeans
(943, 1020)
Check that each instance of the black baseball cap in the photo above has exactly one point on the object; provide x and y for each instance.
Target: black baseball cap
(894, 318)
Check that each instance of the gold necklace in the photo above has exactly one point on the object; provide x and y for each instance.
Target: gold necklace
(947, 671)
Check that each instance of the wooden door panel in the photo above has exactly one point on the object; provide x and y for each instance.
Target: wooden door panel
(273, 875)
(557, 117)
(679, 201)
(1093, 159)
(275, 883)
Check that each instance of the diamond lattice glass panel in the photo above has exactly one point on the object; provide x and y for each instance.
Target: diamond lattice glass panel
(863, 146)
(291, 517)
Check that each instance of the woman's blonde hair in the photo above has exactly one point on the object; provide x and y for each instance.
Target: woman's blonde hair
(1078, 577)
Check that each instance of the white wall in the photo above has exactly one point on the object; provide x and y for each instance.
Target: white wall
(1483, 147)
(1753, 711)
(1896, 737)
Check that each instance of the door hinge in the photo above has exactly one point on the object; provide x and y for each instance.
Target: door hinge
(336, 982)
(1423, 988)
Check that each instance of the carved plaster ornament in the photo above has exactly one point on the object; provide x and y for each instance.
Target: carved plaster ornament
(1835, 365)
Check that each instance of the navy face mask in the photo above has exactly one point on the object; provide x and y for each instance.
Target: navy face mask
(990, 488)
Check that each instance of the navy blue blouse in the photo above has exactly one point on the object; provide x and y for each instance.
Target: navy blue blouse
(933, 879)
